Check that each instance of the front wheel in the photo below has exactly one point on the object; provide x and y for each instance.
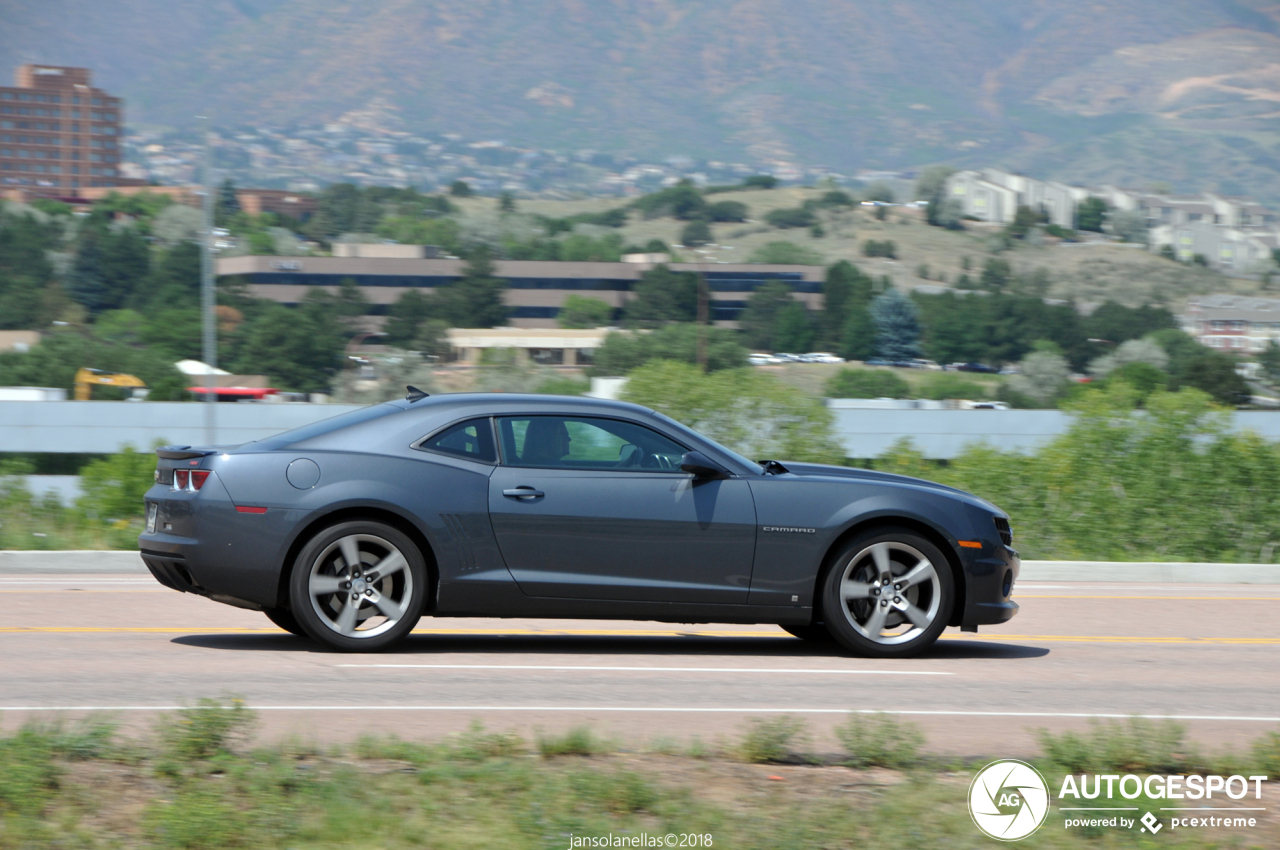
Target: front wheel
(358, 586)
(888, 594)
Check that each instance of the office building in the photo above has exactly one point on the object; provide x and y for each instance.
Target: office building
(58, 133)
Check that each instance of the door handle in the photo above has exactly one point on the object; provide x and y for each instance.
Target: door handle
(523, 493)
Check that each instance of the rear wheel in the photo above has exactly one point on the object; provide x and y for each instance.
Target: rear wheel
(888, 594)
(284, 618)
(358, 586)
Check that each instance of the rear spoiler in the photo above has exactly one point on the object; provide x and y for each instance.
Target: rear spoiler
(182, 452)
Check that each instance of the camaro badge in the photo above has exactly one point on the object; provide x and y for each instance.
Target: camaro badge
(790, 529)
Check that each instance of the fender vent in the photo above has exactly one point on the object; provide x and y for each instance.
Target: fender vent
(1006, 533)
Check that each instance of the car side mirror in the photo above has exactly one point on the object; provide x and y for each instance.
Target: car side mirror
(701, 466)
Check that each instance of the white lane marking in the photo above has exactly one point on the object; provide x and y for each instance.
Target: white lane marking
(647, 669)
(662, 709)
(1168, 588)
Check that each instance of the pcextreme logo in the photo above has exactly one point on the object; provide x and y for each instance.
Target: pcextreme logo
(1008, 800)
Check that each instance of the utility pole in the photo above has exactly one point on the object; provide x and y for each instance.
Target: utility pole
(704, 309)
(207, 300)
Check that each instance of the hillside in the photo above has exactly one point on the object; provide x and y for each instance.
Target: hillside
(1124, 90)
(1090, 273)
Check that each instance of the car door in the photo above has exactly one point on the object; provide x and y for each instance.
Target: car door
(597, 508)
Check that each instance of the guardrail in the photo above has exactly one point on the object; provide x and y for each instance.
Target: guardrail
(81, 561)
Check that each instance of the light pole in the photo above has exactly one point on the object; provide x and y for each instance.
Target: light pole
(207, 300)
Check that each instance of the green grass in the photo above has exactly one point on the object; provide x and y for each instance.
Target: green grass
(199, 782)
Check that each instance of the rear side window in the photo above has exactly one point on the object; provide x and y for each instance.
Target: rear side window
(472, 439)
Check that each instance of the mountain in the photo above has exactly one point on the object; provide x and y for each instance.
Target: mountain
(1182, 91)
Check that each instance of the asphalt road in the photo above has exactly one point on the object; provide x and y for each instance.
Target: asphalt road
(1206, 654)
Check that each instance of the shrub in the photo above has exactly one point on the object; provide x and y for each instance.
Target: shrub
(878, 248)
(1136, 745)
(578, 741)
(866, 383)
(877, 740)
(791, 217)
(624, 351)
(772, 739)
(695, 233)
(727, 211)
(205, 729)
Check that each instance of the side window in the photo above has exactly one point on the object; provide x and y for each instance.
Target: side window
(569, 442)
(472, 439)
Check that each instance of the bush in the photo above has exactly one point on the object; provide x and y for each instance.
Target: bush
(877, 248)
(696, 233)
(1138, 745)
(206, 729)
(578, 741)
(754, 414)
(727, 211)
(877, 740)
(791, 217)
(772, 739)
(582, 312)
(866, 383)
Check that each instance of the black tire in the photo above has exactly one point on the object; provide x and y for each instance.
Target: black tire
(912, 611)
(814, 633)
(328, 615)
(284, 618)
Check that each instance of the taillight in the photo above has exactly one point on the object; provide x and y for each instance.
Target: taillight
(190, 480)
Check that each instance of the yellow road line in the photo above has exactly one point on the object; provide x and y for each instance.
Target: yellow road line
(79, 590)
(636, 633)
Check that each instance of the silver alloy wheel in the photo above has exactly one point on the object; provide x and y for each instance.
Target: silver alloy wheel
(890, 593)
(360, 586)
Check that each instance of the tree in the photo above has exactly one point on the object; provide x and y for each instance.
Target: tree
(1130, 225)
(760, 181)
(1042, 377)
(662, 296)
(1116, 323)
(406, 315)
(897, 326)
(794, 328)
(682, 201)
(476, 299)
(785, 253)
(996, 274)
(858, 333)
(581, 312)
(300, 349)
(1146, 351)
(1270, 361)
(866, 383)
(759, 321)
(843, 287)
(227, 204)
(1090, 214)
(433, 339)
(1024, 218)
(460, 189)
(1193, 365)
(696, 233)
(507, 202)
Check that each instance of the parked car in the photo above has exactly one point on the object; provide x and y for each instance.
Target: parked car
(975, 367)
(822, 357)
(756, 359)
(347, 531)
(919, 363)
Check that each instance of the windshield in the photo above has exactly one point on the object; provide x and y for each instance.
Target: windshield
(327, 426)
(747, 464)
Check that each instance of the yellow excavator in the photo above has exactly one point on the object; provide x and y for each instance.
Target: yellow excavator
(86, 378)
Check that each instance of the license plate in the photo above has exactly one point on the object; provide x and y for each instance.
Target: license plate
(152, 510)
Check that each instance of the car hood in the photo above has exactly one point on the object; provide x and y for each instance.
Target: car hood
(820, 470)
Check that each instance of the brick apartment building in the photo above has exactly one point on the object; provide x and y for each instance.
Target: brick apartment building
(58, 134)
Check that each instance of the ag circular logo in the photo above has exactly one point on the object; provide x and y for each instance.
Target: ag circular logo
(1008, 800)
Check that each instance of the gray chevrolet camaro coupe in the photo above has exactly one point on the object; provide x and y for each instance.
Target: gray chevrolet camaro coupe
(347, 531)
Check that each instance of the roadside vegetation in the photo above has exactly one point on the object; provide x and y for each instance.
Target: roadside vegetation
(200, 781)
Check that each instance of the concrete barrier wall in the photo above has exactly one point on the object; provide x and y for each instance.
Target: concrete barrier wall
(88, 561)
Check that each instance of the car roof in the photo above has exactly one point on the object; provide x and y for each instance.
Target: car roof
(485, 404)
